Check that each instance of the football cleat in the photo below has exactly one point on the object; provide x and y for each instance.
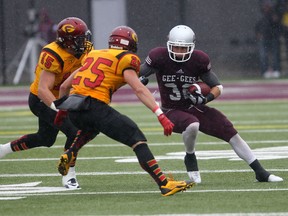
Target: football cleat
(64, 162)
(70, 181)
(274, 178)
(173, 187)
(194, 176)
(267, 177)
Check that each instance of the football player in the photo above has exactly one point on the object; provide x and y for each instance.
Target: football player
(102, 74)
(56, 62)
(177, 67)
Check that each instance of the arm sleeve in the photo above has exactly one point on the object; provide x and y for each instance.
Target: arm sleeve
(210, 78)
(146, 70)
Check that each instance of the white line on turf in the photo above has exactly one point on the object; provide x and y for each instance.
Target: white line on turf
(268, 153)
(128, 173)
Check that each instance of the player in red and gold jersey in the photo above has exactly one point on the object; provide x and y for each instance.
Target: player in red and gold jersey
(56, 62)
(103, 72)
(107, 77)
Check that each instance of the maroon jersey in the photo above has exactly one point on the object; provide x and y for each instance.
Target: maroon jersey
(174, 78)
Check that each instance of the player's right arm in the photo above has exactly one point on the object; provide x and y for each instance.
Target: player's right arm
(46, 83)
(147, 99)
(212, 80)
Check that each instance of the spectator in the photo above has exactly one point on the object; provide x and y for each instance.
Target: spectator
(284, 24)
(268, 30)
(47, 28)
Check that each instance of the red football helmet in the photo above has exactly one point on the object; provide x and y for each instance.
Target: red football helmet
(123, 37)
(73, 33)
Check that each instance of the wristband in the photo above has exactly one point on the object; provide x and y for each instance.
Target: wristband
(209, 97)
(157, 111)
(52, 106)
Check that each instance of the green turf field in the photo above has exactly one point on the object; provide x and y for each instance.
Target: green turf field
(114, 184)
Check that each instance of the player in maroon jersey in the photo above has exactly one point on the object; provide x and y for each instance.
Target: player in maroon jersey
(177, 67)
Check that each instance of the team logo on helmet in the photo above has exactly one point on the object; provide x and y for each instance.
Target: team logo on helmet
(68, 28)
(134, 37)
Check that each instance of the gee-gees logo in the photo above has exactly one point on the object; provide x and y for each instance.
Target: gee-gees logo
(68, 28)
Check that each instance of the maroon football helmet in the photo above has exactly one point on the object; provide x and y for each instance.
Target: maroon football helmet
(73, 33)
(123, 37)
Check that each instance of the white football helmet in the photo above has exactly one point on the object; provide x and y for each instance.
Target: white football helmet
(181, 36)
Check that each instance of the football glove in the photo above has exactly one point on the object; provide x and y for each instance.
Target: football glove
(166, 124)
(197, 99)
(59, 119)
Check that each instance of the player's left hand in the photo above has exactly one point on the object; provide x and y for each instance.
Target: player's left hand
(197, 99)
(61, 115)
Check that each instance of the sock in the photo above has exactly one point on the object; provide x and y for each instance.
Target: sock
(242, 149)
(19, 144)
(189, 137)
(149, 164)
(261, 174)
(191, 162)
(71, 169)
(82, 138)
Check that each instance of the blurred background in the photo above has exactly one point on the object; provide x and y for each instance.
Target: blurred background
(225, 30)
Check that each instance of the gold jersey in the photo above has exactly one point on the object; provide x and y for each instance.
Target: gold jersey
(102, 73)
(56, 60)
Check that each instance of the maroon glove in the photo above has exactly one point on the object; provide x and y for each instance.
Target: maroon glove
(166, 124)
(61, 115)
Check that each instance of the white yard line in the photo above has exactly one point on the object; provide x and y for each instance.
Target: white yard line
(127, 173)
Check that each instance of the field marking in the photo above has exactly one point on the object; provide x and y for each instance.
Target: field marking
(23, 190)
(11, 198)
(112, 145)
(100, 145)
(129, 173)
(268, 153)
(224, 214)
(147, 131)
(13, 191)
(153, 192)
(16, 192)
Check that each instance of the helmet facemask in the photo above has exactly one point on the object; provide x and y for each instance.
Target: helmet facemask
(83, 43)
(176, 56)
(79, 44)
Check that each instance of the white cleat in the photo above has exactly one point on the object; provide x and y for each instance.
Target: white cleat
(195, 176)
(70, 181)
(274, 178)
